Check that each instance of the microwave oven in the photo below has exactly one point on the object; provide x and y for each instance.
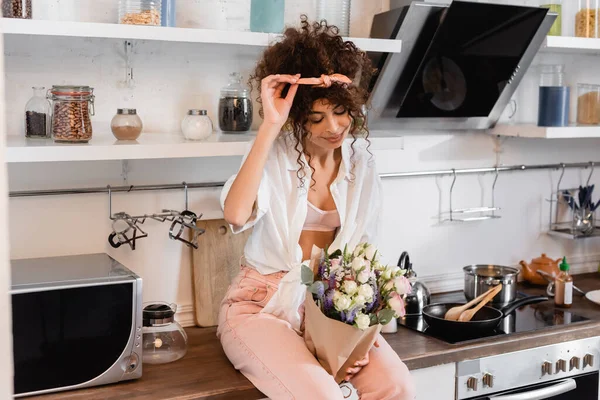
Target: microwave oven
(76, 323)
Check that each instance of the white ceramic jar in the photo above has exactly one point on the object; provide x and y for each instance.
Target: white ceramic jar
(196, 125)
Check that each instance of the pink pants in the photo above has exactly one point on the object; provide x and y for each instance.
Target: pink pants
(275, 359)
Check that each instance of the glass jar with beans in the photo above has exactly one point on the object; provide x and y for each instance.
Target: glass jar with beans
(72, 107)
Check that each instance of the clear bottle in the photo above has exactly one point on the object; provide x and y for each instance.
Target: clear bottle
(563, 286)
(126, 124)
(554, 6)
(586, 19)
(267, 15)
(554, 97)
(140, 12)
(16, 9)
(235, 106)
(336, 12)
(167, 13)
(164, 340)
(37, 114)
(196, 125)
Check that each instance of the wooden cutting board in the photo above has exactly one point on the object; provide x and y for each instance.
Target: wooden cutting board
(214, 264)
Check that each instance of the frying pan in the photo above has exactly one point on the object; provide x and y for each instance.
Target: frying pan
(484, 321)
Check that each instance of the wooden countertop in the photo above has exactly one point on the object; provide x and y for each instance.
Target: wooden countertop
(205, 372)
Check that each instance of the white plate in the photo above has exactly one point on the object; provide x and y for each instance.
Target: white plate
(593, 296)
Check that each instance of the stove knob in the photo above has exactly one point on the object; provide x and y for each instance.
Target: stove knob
(488, 380)
(588, 360)
(472, 383)
(561, 365)
(574, 363)
(546, 368)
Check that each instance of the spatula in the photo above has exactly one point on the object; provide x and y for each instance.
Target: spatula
(453, 313)
(468, 314)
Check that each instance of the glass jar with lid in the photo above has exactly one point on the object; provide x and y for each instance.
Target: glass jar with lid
(196, 125)
(588, 104)
(16, 9)
(140, 12)
(72, 106)
(126, 124)
(235, 106)
(556, 7)
(164, 340)
(586, 19)
(37, 115)
(554, 97)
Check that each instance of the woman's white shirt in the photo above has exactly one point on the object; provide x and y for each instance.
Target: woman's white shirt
(280, 211)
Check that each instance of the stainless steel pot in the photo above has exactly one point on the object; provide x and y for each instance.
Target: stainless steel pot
(481, 278)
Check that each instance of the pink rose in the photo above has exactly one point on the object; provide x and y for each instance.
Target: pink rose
(402, 285)
(397, 304)
(335, 264)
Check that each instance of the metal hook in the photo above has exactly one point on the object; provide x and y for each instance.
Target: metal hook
(591, 173)
(560, 179)
(110, 216)
(493, 191)
(451, 189)
(185, 188)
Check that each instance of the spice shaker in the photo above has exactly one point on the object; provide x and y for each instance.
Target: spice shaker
(196, 125)
(37, 115)
(72, 106)
(235, 106)
(126, 124)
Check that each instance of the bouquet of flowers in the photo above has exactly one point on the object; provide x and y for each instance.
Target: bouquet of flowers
(351, 295)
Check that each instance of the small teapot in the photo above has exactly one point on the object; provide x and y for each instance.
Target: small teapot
(420, 295)
(543, 263)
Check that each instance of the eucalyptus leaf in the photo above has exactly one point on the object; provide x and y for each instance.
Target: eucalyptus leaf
(373, 319)
(385, 316)
(307, 275)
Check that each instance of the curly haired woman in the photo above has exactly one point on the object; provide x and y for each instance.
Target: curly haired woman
(303, 184)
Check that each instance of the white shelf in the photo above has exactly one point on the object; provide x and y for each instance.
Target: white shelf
(104, 147)
(534, 131)
(13, 26)
(569, 44)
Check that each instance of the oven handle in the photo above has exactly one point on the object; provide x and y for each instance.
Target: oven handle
(540, 394)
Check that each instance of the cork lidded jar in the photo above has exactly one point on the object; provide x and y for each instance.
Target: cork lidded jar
(126, 124)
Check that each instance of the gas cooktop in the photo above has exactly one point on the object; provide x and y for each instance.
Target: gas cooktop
(527, 318)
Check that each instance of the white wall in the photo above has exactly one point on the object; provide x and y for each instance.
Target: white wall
(6, 357)
(170, 78)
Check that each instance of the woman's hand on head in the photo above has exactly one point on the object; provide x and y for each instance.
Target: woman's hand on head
(276, 108)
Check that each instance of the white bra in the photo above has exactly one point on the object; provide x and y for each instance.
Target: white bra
(319, 220)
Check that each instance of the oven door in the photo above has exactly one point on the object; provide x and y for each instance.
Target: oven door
(580, 387)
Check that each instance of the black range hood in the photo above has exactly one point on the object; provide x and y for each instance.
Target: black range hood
(459, 65)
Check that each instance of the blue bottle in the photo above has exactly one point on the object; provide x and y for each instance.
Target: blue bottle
(167, 15)
(267, 16)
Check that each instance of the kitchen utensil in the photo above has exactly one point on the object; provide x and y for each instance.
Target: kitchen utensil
(215, 263)
(480, 278)
(420, 296)
(550, 279)
(593, 296)
(485, 321)
(467, 315)
(454, 313)
(164, 340)
(543, 263)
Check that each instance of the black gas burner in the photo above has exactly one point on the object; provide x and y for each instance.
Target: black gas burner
(524, 319)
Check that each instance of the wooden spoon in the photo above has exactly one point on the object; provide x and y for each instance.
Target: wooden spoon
(453, 313)
(468, 314)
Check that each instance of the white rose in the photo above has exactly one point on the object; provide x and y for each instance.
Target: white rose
(350, 287)
(366, 291)
(360, 300)
(363, 276)
(362, 321)
(342, 303)
(387, 273)
(358, 250)
(389, 286)
(370, 251)
(395, 270)
(357, 264)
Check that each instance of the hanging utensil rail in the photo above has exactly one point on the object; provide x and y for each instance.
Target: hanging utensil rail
(132, 188)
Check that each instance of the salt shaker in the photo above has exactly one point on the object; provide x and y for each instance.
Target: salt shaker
(196, 125)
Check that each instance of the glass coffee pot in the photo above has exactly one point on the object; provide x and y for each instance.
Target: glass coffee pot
(164, 340)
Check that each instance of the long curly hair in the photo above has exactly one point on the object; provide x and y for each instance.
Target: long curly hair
(314, 49)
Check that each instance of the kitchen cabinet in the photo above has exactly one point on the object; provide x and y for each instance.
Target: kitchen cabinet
(435, 383)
